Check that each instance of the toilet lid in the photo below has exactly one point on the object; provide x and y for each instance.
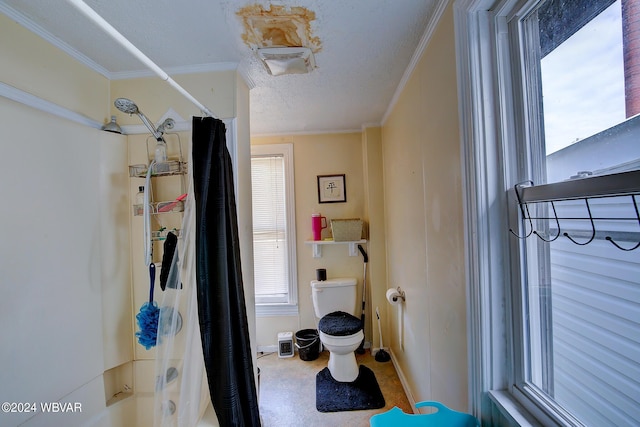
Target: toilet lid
(340, 324)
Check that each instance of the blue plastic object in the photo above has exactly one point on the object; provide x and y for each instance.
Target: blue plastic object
(148, 316)
(444, 417)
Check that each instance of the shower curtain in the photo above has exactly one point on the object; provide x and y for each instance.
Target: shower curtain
(203, 352)
(221, 303)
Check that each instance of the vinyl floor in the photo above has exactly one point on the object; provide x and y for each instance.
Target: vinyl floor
(287, 393)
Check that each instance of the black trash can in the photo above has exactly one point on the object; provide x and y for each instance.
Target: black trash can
(308, 344)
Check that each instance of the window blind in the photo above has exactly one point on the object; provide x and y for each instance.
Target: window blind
(270, 229)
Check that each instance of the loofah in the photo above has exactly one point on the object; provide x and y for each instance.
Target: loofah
(148, 323)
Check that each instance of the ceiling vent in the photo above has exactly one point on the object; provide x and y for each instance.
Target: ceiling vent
(287, 60)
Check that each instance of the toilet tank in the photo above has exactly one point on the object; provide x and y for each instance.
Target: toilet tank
(334, 295)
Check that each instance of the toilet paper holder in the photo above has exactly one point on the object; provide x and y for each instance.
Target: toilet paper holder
(400, 295)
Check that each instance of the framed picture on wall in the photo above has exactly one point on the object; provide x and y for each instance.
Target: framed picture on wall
(331, 189)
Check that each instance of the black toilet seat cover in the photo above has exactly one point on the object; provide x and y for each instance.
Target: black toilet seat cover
(340, 324)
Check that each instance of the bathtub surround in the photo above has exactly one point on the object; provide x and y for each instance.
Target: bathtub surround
(64, 274)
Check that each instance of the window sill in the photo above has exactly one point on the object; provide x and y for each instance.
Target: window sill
(271, 310)
(512, 410)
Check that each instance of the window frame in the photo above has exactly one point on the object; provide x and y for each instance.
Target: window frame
(493, 108)
(489, 91)
(290, 308)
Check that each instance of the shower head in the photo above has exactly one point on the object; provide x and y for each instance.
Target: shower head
(128, 106)
(168, 124)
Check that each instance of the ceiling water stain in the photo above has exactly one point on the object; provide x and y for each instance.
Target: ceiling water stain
(278, 26)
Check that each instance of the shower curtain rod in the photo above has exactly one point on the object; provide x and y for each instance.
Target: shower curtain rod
(109, 29)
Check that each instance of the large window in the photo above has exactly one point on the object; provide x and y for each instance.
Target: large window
(274, 229)
(554, 139)
(578, 292)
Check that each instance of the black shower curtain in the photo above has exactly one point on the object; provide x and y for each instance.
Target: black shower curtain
(221, 305)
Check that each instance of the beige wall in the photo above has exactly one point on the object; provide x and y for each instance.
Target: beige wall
(319, 155)
(424, 227)
(31, 64)
(216, 90)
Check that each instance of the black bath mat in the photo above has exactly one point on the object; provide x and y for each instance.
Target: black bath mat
(336, 396)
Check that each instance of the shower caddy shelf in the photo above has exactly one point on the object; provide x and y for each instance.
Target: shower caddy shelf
(176, 167)
(172, 167)
(168, 168)
(159, 208)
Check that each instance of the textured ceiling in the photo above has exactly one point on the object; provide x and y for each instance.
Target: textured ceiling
(362, 50)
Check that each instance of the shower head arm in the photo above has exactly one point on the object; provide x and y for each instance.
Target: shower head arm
(157, 135)
(128, 106)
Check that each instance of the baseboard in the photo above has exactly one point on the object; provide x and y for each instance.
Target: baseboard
(274, 348)
(403, 381)
(268, 348)
(374, 350)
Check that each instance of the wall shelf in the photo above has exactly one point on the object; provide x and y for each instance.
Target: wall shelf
(316, 246)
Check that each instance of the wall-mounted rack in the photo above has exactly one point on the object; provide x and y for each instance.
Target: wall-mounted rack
(316, 245)
(169, 168)
(579, 210)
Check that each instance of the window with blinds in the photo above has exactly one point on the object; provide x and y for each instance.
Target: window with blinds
(273, 225)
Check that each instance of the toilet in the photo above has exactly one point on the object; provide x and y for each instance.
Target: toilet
(334, 303)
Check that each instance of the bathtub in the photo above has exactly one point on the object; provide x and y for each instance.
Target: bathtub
(137, 410)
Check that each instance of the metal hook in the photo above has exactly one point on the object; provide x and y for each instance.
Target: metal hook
(526, 216)
(593, 228)
(555, 214)
(635, 206)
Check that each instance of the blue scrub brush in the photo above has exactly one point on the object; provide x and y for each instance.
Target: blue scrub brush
(148, 316)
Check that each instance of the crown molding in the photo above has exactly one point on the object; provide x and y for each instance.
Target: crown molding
(30, 25)
(27, 23)
(308, 132)
(439, 9)
(366, 126)
(244, 72)
(187, 69)
(33, 101)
